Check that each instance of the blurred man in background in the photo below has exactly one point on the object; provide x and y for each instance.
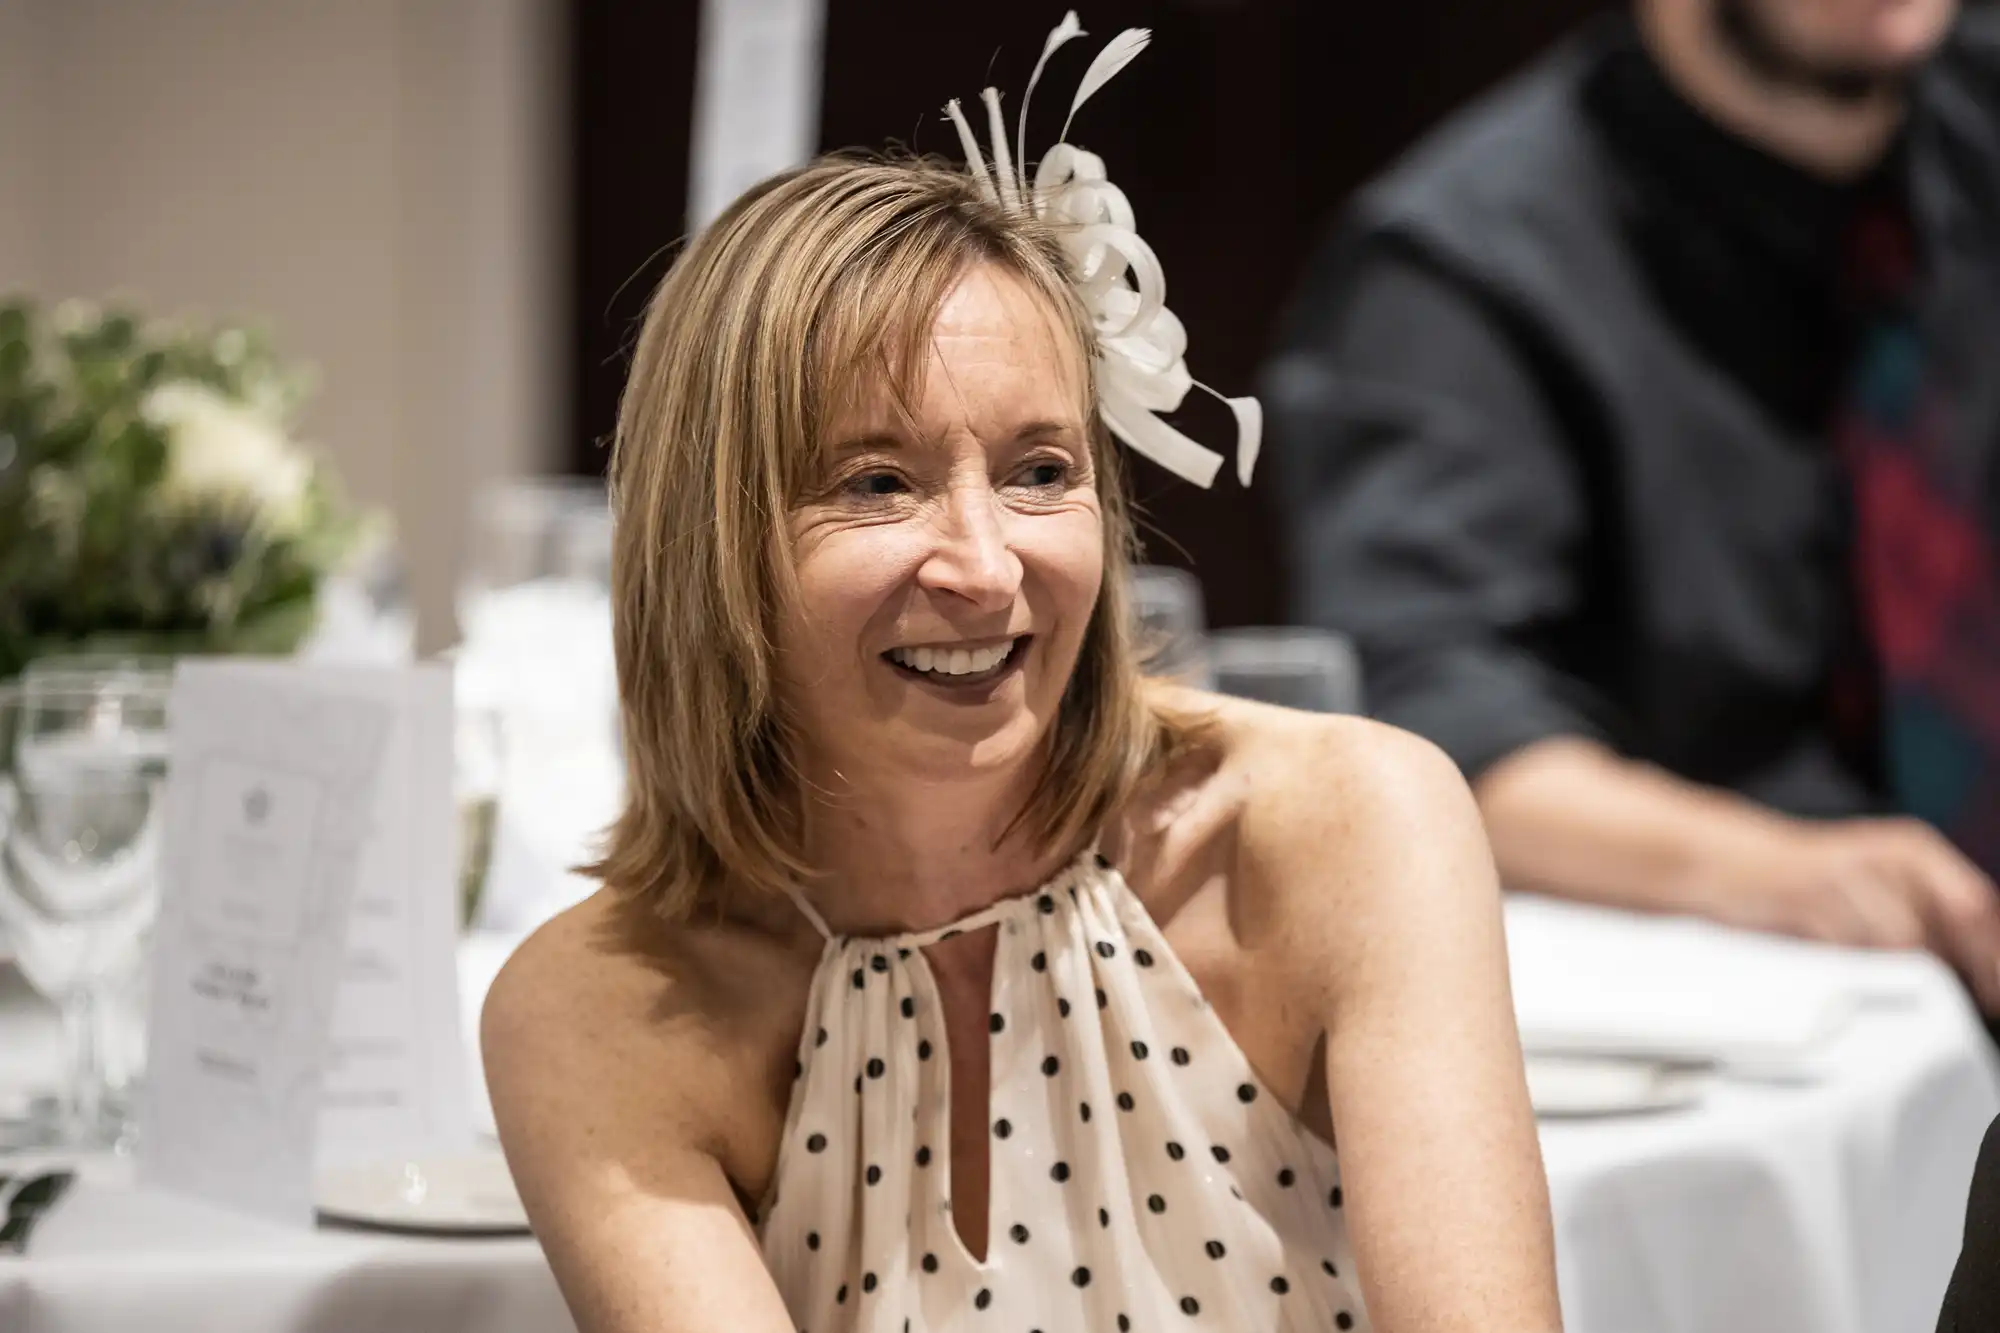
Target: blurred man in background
(1642, 428)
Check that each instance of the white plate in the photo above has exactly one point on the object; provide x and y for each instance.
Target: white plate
(1565, 1087)
(464, 1195)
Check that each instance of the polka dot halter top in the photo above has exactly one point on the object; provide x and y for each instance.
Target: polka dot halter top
(1142, 1175)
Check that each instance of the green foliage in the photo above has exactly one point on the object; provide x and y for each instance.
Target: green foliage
(97, 549)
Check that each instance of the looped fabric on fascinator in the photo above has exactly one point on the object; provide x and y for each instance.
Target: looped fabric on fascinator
(1140, 345)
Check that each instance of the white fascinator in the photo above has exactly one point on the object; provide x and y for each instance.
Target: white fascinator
(1141, 347)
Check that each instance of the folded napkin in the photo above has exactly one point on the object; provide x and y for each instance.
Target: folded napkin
(1595, 981)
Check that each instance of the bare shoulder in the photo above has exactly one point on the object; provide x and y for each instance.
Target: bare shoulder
(1317, 781)
(1300, 783)
(1344, 830)
(645, 1020)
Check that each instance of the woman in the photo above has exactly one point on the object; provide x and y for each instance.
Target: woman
(947, 974)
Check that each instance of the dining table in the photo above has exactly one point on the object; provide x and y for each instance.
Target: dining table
(1821, 1192)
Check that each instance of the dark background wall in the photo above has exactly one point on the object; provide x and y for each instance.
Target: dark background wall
(1236, 136)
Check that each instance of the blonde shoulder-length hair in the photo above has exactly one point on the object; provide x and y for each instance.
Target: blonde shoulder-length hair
(814, 284)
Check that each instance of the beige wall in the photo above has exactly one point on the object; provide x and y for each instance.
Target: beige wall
(376, 180)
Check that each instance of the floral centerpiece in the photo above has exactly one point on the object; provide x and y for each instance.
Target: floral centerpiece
(152, 496)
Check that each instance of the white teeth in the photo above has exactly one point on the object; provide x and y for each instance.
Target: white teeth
(953, 661)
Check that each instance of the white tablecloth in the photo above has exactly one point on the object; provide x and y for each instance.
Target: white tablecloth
(1830, 1203)
(1829, 1206)
(113, 1259)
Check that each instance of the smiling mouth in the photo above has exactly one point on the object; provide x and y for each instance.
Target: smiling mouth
(959, 668)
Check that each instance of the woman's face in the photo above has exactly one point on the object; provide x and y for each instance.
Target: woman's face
(950, 558)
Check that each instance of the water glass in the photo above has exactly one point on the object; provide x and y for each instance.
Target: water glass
(79, 865)
(1172, 625)
(529, 528)
(480, 765)
(1292, 666)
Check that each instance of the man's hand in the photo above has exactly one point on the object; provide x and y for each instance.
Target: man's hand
(1874, 883)
(1568, 817)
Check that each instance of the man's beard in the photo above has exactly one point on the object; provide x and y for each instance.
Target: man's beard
(1748, 33)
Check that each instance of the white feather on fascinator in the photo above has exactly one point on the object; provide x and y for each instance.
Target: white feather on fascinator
(1141, 347)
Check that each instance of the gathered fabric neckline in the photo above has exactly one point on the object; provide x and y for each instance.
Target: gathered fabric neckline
(977, 919)
(1140, 1171)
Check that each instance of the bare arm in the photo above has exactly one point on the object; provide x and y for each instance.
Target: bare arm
(1570, 818)
(602, 1105)
(1402, 941)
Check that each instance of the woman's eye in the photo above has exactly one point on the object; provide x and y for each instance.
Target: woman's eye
(1043, 475)
(876, 483)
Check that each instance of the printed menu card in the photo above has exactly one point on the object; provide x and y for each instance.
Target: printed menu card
(304, 1009)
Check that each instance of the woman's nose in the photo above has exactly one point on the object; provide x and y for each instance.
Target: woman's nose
(973, 557)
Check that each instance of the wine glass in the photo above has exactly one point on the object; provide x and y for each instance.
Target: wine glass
(1292, 666)
(479, 770)
(529, 528)
(1172, 624)
(79, 862)
(28, 1104)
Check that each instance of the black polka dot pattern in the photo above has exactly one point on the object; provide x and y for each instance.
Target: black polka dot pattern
(860, 1231)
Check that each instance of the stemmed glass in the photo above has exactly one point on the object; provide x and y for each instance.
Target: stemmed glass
(1294, 666)
(479, 773)
(1172, 624)
(79, 860)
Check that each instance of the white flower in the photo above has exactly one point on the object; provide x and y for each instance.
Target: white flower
(217, 447)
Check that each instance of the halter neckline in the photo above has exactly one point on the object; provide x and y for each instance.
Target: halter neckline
(1032, 900)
